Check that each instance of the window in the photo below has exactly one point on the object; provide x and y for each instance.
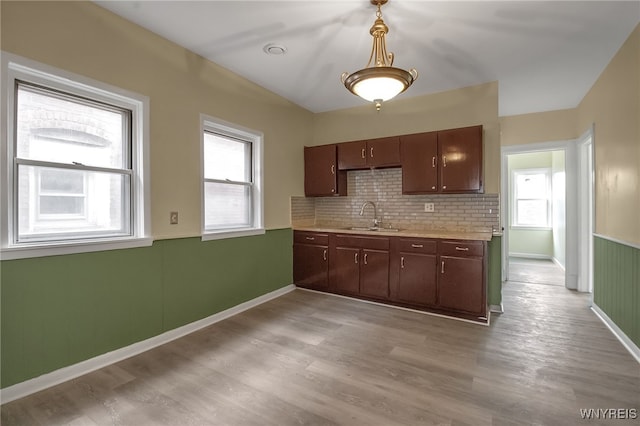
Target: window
(232, 180)
(531, 195)
(75, 154)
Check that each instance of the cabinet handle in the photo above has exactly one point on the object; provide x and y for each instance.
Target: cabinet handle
(462, 248)
(324, 254)
(355, 258)
(442, 267)
(363, 150)
(371, 152)
(433, 187)
(402, 262)
(417, 245)
(444, 186)
(433, 161)
(444, 161)
(333, 169)
(365, 258)
(310, 238)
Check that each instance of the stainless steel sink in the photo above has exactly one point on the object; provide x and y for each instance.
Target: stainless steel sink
(372, 228)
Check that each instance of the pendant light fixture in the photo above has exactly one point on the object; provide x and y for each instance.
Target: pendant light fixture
(379, 81)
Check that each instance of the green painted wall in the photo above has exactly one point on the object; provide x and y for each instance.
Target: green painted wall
(494, 279)
(60, 310)
(616, 284)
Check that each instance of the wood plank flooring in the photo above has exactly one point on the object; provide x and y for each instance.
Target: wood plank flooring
(314, 359)
(535, 271)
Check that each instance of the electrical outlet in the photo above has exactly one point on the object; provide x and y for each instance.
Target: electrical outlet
(429, 207)
(173, 218)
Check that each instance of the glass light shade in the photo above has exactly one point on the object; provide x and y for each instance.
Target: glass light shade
(382, 88)
(379, 83)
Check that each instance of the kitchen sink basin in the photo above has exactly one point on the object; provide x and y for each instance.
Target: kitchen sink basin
(372, 228)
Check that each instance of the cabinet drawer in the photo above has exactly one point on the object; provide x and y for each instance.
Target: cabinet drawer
(417, 245)
(462, 248)
(375, 243)
(305, 237)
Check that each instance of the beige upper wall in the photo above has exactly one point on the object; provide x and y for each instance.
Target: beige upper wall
(446, 110)
(85, 39)
(613, 105)
(539, 127)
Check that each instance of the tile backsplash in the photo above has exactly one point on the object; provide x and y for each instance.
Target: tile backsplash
(459, 212)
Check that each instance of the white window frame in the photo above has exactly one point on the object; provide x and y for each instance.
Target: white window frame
(514, 197)
(14, 68)
(255, 138)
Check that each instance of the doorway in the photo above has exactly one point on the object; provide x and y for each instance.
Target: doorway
(567, 233)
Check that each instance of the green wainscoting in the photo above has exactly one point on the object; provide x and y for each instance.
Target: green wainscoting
(616, 284)
(60, 310)
(494, 279)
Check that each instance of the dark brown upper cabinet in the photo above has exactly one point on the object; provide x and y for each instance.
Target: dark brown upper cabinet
(461, 159)
(419, 155)
(382, 152)
(321, 174)
(448, 161)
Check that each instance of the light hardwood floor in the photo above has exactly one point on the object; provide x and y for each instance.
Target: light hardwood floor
(309, 358)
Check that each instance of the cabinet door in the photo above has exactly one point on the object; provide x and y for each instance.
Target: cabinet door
(320, 172)
(417, 280)
(374, 273)
(461, 159)
(347, 270)
(383, 152)
(352, 155)
(461, 285)
(419, 159)
(311, 266)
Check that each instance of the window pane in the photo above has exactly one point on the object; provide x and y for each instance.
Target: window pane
(226, 158)
(531, 185)
(58, 128)
(227, 205)
(532, 212)
(61, 181)
(101, 208)
(59, 205)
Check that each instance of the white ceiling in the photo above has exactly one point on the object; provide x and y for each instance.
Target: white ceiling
(545, 55)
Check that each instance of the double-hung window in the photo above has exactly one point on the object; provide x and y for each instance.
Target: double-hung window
(75, 157)
(531, 198)
(232, 180)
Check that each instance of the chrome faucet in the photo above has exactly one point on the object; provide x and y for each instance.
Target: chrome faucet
(376, 222)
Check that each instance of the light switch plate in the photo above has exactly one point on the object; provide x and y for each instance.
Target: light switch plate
(429, 207)
(173, 218)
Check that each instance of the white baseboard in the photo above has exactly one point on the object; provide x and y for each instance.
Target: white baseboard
(530, 256)
(557, 262)
(496, 309)
(22, 389)
(633, 349)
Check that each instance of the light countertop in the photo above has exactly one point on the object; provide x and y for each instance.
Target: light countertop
(441, 234)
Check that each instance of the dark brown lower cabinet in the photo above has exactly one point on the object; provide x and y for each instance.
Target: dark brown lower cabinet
(443, 276)
(374, 274)
(413, 277)
(360, 265)
(417, 279)
(311, 260)
(462, 281)
(460, 284)
(346, 270)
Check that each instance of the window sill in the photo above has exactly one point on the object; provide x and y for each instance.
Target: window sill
(531, 228)
(58, 249)
(232, 233)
